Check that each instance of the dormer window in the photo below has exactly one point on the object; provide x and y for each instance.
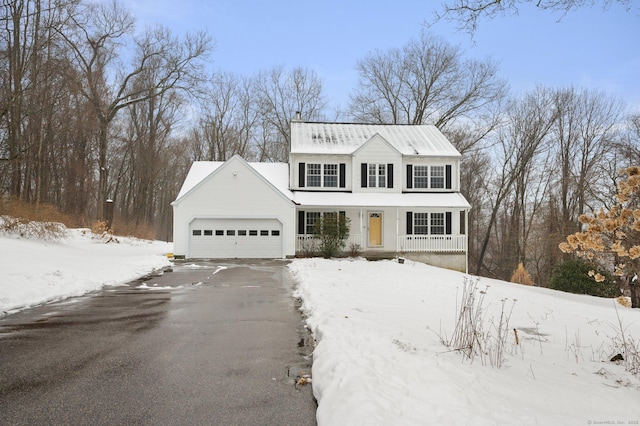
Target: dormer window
(377, 175)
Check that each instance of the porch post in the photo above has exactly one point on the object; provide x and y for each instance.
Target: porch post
(466, 240)
(361, 230)
(397, 230)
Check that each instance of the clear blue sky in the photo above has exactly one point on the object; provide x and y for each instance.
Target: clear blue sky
(588, 48)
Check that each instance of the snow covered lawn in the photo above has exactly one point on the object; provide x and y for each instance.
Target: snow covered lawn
(380, 359)
(33, 271)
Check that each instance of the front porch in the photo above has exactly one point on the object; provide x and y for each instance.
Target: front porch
(433, 235)
(306, 243)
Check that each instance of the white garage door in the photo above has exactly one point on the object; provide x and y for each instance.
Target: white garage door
(235, 238)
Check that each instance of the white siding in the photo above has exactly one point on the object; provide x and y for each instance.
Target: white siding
(377, 151)
(234, 190)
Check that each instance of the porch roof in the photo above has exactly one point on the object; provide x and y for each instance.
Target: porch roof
(343, 199)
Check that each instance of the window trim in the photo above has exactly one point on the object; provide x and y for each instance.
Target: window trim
(322, 171)
(432, 176)
(311, 177)
(377, 179)
(422, 176)
(429, 223)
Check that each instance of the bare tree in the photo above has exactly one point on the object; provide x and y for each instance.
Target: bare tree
(467, 13)
(97, 41)
(427, 81)
(520, 142)
(229, 122)
(280, 95)
(585, 130)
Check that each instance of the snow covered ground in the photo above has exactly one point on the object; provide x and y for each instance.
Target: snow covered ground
(380, 326)
(380, 359)
(33, 271)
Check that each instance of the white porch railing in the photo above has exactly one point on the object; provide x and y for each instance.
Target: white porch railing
(406, 243)
(432, 243)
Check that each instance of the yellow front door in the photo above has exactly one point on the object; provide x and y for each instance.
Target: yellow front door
(375, 229)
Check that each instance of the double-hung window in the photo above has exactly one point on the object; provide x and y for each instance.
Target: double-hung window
(428, 177)
(321, 175)
(377, 175)
(312, 220)
(314, 175)
(330, 176)
(421, 177)
(437, 224)
(421, 223)
(437, 177)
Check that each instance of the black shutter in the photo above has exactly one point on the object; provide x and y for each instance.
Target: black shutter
(343, 175)
(448, 176)
(301, 224)
(409, 176)
(342, 217)
(409, 223)
(447, 223)
(301, 174)
(364, 177)
(390, 175)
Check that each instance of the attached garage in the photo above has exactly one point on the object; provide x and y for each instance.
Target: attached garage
(235, 209)
(236, 238)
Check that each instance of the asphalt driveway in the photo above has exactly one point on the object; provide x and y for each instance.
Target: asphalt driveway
(210, 343)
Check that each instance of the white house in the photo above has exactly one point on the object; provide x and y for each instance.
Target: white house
(398, 184)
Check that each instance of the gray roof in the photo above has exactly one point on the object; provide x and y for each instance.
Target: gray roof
(345, 138)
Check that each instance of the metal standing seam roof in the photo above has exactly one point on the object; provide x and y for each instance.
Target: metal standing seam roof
(345, 138)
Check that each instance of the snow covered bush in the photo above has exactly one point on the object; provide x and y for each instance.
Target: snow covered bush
(25, 228)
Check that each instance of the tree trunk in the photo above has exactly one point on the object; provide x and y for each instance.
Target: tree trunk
(102, 170)
(634, 288)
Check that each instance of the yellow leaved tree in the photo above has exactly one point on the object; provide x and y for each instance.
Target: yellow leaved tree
(613, 236)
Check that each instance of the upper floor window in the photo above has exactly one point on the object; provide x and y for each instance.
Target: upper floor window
(428, 177)
(377, 175)
(437, 176)
(421, 176)
(317, 175)
(330, 175)
(314, 177)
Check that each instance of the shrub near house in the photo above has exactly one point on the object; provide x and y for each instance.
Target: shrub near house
(574, 276)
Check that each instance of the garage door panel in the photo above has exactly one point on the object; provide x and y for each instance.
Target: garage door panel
(235, 238)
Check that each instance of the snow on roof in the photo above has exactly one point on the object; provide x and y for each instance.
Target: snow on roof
(377, 199)
(275, 173)
(345, 138)
(198, 171)
(278, 175)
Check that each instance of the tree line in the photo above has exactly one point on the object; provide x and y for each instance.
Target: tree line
(92, 109)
